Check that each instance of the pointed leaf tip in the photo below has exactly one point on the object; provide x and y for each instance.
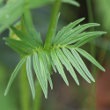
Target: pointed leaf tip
(83, 18)
(103, 70)
(13, 75)
(90, 58)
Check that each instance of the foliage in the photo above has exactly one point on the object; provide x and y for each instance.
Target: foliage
(14, 9)
(102, 13)
(64, 51)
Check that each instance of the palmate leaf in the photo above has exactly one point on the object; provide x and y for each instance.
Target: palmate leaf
(67, 29)
(23, 41)
(64, 39)
(64, 51)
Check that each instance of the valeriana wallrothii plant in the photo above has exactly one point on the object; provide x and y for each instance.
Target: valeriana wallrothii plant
(61, 50)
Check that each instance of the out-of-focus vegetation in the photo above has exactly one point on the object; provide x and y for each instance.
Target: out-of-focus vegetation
(62, 97)
(102, 8)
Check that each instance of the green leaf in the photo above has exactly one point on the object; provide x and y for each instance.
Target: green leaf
(14, 9)
(54, 68)
(86, 39)
(26, 38)
(90, 58)
(42, 67)
(29, 76)
(75, 64)
(43, 72)
(67, 65)
(75, 32)
(37, 69)
(46, 66)
(17, 49)
(82, 64)
(14, 74)
(19, 46)
(59, 66)
(19, 43)
(49, 61)
(10, 13)
(67, 28)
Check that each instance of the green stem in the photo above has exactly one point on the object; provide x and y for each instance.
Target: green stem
(91, 19)
(92, 94)
(28, 21)
(38, 98)
(92, 44)
(90, 13)
(24, 89)
(24, 86)
(51, 29)
(30, 28)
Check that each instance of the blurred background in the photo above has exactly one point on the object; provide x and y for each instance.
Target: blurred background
(95, 96)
